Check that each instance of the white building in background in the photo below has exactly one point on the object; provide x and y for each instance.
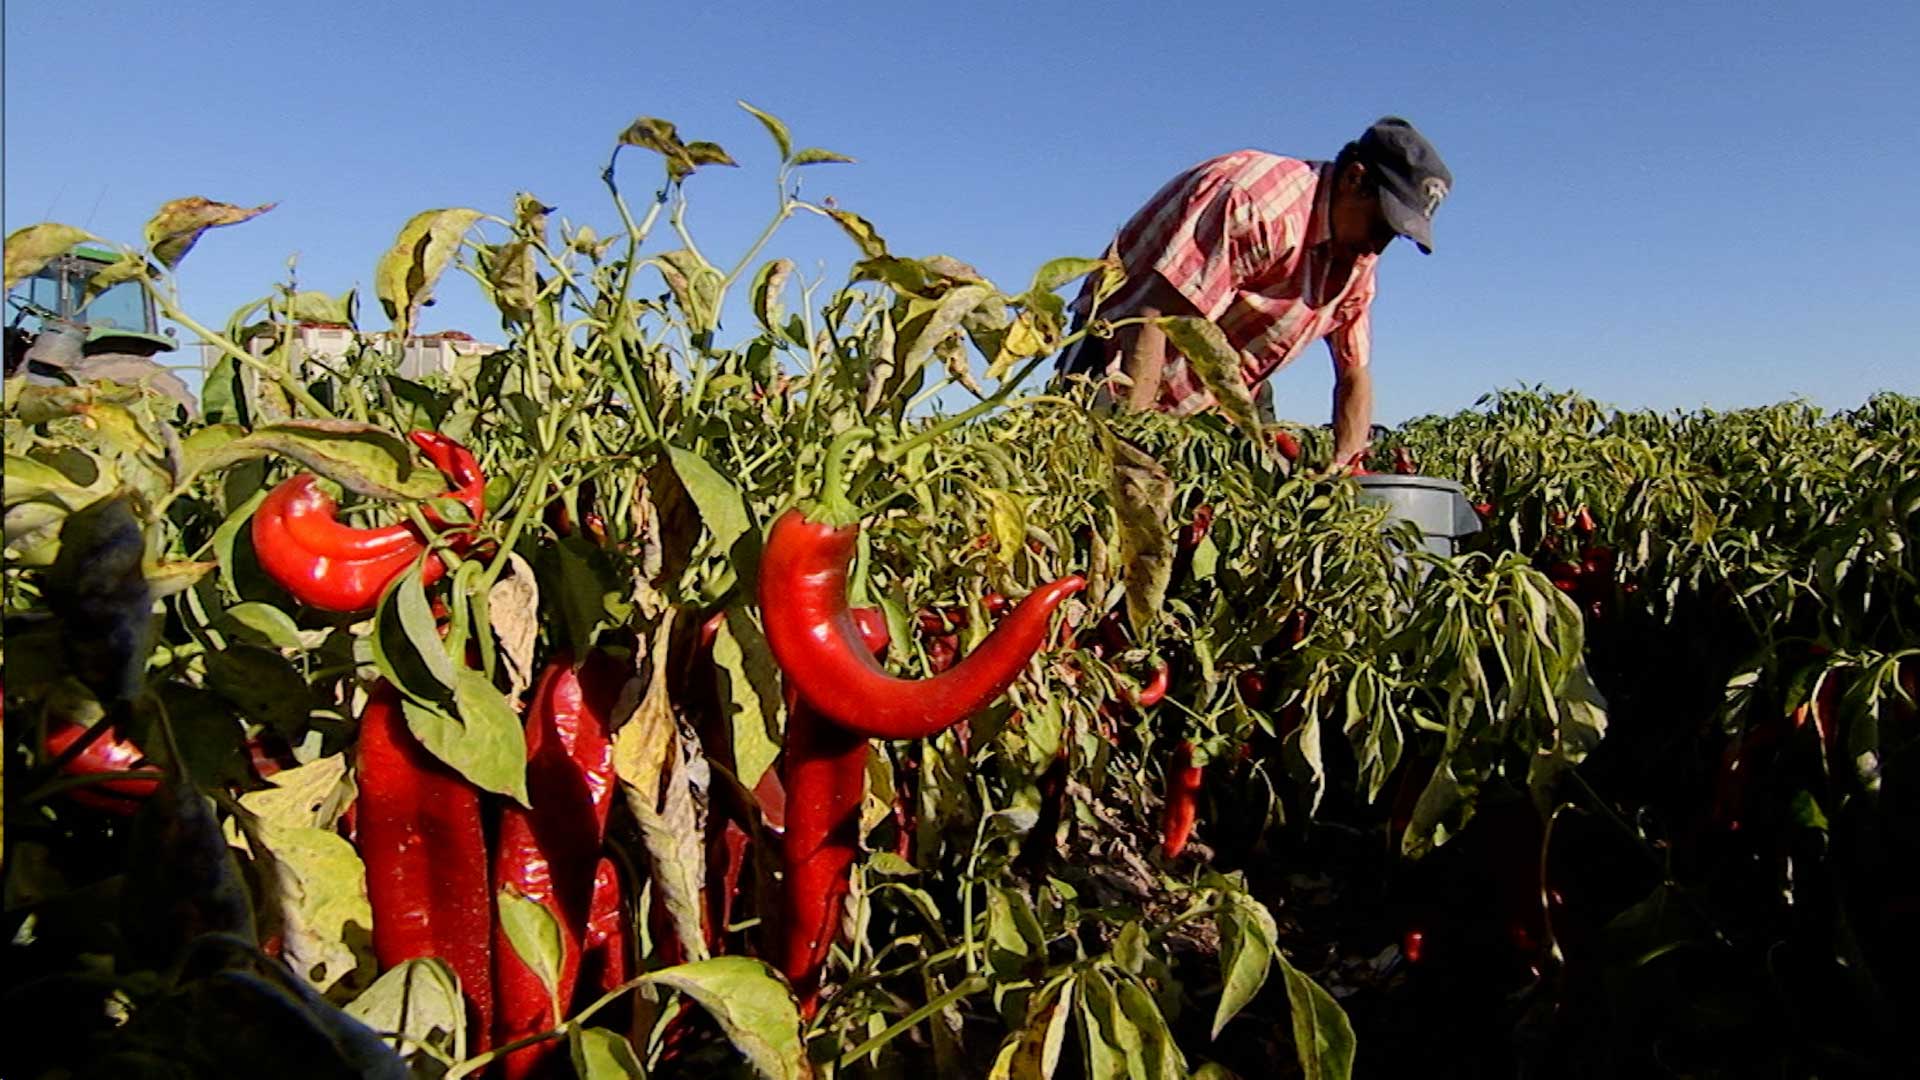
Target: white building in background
(316, 346)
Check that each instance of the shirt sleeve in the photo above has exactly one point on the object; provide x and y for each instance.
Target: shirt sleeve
(1351, 340)
(1192, 241)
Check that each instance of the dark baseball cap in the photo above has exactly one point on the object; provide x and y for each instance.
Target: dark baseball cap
(1411, 176)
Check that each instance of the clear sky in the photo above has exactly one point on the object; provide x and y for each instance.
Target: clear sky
(1666, 205)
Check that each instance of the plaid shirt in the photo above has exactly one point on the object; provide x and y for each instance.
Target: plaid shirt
(1246, 238)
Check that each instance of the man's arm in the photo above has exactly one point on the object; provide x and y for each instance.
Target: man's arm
(1143, 348)
(1352, 411)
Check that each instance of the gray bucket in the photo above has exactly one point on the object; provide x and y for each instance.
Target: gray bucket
(1439, 507)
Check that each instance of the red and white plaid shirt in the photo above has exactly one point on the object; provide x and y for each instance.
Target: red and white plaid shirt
(1246, 238)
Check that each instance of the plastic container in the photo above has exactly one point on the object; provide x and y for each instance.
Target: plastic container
(1439, 507)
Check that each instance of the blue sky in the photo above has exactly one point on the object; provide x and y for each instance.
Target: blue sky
(1663, 205)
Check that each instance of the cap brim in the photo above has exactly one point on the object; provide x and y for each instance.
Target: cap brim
(1407, 221)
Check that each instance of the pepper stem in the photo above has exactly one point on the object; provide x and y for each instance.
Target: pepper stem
(835, 505)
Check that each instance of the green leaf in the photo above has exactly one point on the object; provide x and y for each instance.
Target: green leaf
(750, 687)
(405, 276)
(176, 227)
(721, 506)
(599, 1054)
(535, 936)
(262, 620)
(362, 458)
(813, 155)
(1110, 1042)
(1247, 935)
(121, 270)
(482, 739)
(422, 632)
(419, 999)
(1057, 272)
(753, 1008)
(1217, 364)
(781, 138)
(31, 248)
(1322, 1034)
(1159, 1055)
(263, 685)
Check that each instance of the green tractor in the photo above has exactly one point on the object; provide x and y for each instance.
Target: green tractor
(56, 337)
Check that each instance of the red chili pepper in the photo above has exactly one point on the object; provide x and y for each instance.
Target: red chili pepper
(1156, 687)
(1583, 521)
(603, 950)
(1253, 688)
(803, 597)
(1484, 509)
(1288, 446)
(548, 852)
(995, 604)
(336, 567)
(1183, 801)
(823, 768)
(108, 753)
(1403, 462)
(418, 828)
(1192, 534)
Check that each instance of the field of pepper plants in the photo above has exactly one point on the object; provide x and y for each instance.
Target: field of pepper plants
(831, 697)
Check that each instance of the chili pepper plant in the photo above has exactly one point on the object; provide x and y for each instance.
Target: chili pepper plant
(826, 696)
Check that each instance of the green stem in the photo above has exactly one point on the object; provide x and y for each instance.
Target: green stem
(836, 502)
(969, 986)
(283, 379)
(986, 405)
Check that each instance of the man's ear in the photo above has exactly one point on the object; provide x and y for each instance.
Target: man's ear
(1354, 176)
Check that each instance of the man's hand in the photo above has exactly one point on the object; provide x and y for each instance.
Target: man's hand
(1352, 413)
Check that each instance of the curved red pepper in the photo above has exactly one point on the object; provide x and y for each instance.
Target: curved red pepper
(418, 828)
(1156, 688)
(1183, 801)
(108, 753)
(823, 767)
(549, 852)
(803, 597)
(337, 567)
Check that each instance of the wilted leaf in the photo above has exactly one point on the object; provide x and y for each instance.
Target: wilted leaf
(1142, 495)
(310, 796)
(646, 758)
(406, 274)
(513, 607)
(696, 287)
(862, 232)
(1217, 364)
(175, 227)
(321, 890)
(421, 1000)
(35, 246)
(944, 321)
(767, 287)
